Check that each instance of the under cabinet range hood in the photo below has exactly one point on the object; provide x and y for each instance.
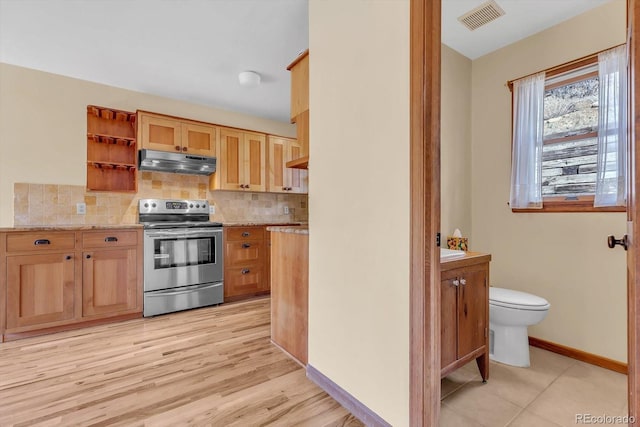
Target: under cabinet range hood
(165, 161)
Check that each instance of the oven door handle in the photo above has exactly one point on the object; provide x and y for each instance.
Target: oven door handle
(183, 233)
(185, 291)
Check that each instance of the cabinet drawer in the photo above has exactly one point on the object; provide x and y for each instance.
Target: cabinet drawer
(40, 241)
(109, 239)
(245, 252)
(244, 280)
(244, 233)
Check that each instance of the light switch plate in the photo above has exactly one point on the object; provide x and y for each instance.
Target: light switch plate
(81, 208)
(212, 209)
(286, 210)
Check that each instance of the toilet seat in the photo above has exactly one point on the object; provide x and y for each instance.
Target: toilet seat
(517, 300)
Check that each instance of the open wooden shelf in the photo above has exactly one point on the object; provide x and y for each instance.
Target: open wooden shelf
(112, 152)
(301, 163)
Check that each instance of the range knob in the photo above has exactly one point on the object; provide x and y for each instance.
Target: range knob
(146, 205)
(191, 205)
(153, 205)
(204, 205)
(198, 205)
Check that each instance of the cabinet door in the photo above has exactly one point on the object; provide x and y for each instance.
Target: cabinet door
(299, 85)
(230, 159)
(109, 279)
(40, 289)
(472, 306)
(254, 161)
(448, 319)
(198, 139)
(160, 133)
(297, 178)
(277, 171)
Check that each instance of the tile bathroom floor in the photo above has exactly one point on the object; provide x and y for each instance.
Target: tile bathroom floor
(549, 393)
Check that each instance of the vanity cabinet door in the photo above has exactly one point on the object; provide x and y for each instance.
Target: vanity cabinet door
(449, 317)
(472, 306)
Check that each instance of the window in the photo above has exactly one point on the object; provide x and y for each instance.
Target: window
(568, 168)
(570, 141)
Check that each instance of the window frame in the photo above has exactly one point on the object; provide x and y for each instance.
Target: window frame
(566, 204)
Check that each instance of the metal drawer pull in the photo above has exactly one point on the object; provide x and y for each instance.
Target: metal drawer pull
(42, 242)
(110, 239)
(245, 271)
(68, 257)
(246, 245)
(246, 234)
(463, 281)
(88, 256)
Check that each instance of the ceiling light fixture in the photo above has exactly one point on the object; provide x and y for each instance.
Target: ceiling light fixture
(249, 78)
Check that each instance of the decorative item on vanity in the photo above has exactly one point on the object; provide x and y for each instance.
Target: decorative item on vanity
(457, 242)
(510, 313)
(183, 256)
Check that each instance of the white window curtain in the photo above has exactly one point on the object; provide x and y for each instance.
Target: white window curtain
(612, 128)
(528, 129)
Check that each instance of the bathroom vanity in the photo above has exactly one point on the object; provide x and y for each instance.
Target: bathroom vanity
(464, 327)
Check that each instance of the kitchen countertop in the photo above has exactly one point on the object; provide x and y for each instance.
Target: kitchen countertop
(266, 223)
(297, 229)
(79, 227)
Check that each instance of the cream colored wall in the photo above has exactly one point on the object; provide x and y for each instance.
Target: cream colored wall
(43, 126)
(561, 257)
(455, 144)
(359, 200)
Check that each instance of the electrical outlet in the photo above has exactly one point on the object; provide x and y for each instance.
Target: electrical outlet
(286, 210)
(81, 208)
(212, 209)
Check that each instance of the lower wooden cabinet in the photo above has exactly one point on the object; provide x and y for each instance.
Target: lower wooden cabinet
(246, 262)
(109, 281)
(56, 280)
(464, 325)
(40, 289)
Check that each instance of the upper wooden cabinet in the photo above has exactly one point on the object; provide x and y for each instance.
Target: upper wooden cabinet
(300, 108)
(299, 84)
(165, 133)
(241, 161)
(281, 179)
(111, 150)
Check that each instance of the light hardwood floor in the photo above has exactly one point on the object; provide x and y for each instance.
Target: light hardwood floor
(212, 366)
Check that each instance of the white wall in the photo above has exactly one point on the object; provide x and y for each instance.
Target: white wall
(562, 257)
(43, 126)
(359, 200)
(455, 144)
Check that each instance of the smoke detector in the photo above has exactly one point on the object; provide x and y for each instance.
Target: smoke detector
(481, 15)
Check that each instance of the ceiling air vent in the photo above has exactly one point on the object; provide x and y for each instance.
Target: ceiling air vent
(481, 15)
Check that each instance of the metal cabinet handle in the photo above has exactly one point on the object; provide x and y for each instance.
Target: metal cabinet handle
(87, 256)
(246, 245)
(246, 234)
(42, 242)
(68, 257)
(184, 148)
(110, 239)
(177, 148)
(456, 282)
(463, 281)
(245, 271)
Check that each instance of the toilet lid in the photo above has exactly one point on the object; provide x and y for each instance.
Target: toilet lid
(516, 299)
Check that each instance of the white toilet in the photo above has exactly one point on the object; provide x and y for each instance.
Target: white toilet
(510, 312)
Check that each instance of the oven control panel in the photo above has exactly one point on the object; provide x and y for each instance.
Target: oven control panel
(173, 206)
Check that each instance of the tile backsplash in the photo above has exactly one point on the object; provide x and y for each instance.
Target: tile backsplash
(51, 204)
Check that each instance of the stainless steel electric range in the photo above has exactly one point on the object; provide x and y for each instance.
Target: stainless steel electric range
(183, 256)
